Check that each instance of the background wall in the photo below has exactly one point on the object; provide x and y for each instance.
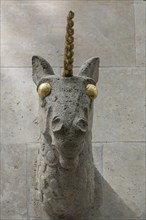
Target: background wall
(110, 29)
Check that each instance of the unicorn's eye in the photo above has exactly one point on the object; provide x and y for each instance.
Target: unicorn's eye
(44, 90)
(92, 91)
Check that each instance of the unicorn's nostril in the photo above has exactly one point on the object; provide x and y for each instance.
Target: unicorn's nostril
(82, 125)
(56, 124)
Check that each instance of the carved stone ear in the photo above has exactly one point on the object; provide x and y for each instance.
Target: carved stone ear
(40, 69)
(90, 69)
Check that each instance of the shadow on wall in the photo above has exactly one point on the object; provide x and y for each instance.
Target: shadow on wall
(112, 206)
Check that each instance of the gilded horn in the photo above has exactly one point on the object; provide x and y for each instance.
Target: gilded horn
(69, 46)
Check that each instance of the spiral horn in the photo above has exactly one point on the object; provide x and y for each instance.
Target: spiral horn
(69, 46)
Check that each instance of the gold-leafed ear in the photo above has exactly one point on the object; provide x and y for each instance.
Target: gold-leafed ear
(44, 90)
(92, 91)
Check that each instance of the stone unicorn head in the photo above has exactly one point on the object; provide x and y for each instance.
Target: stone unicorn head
(65, 169)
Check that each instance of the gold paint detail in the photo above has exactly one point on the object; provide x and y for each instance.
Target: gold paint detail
(69, 46)
(44, 90)
(92, 91)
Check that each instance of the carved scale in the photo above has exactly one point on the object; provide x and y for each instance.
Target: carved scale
(65, 169)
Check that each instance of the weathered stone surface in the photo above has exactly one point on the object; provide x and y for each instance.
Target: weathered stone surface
(124, 170)
(34, 205)
(19, 107)
(140, 24)
(13, 182)
(101, 29)
(66, 179)
(34, 208)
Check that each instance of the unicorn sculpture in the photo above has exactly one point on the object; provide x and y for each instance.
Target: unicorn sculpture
(65, 172)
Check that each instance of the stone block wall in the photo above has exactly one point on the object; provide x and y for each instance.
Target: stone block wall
(112, 30)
